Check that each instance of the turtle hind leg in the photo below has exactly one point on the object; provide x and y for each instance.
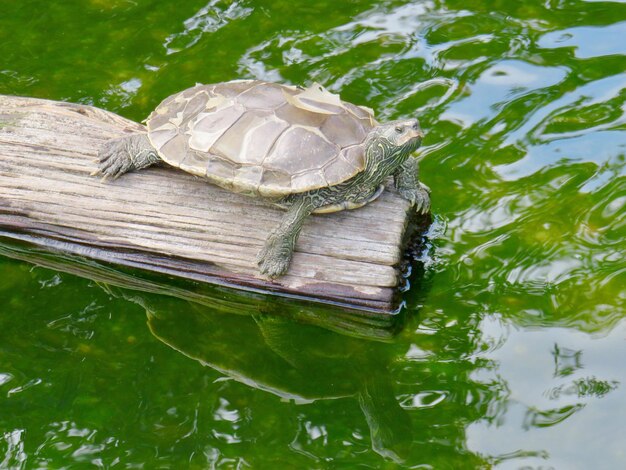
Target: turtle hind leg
(119, 156)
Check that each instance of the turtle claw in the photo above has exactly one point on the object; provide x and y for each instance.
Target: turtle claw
(113, 159)
(418, 197)
(273, 268)
(274, 258)
(119, 156)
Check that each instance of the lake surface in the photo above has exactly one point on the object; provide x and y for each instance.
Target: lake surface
(510, 351)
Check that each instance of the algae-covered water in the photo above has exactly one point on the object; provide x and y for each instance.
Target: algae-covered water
(511, 349)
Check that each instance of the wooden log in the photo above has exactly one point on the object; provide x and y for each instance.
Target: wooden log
(380, 326)
(164, 220)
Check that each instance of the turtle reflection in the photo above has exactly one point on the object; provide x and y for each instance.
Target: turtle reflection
(294, 361)
(297, 351)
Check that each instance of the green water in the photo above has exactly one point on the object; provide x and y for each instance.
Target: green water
(513, 347)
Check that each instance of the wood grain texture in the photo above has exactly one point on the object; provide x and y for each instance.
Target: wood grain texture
(164, 220)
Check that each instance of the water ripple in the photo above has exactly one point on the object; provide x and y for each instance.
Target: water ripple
(588, 41)
(513, 352)
(210, 18)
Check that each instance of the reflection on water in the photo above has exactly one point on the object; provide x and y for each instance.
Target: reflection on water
(588, 41)
(553, 377)
(297, 362)
(512, 350)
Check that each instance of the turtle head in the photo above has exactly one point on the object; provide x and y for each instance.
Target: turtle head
(392, 143)
(405, 134)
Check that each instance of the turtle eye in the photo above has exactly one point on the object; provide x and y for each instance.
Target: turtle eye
(399, 129)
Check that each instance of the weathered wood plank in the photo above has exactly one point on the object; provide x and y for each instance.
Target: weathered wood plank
(165, 220)
(381, 326)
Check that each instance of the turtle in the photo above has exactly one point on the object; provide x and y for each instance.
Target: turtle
(303, 149)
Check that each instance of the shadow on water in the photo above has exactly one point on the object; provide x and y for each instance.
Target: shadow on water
(368, 324)
(430, 386)
(296, 350)
(303, 363)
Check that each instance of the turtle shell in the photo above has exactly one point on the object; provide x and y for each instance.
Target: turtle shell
(262, 138)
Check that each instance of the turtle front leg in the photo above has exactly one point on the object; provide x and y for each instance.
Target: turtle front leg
(408, 185)
(275, 256)
(119, 156)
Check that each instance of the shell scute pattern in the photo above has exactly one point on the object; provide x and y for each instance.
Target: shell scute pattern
(300, 117)
(234, 88)
(269, 97)
(208, 128)
(220, 169)
(261, 138)
(343, 129)
(194, 106)
(310, 148)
